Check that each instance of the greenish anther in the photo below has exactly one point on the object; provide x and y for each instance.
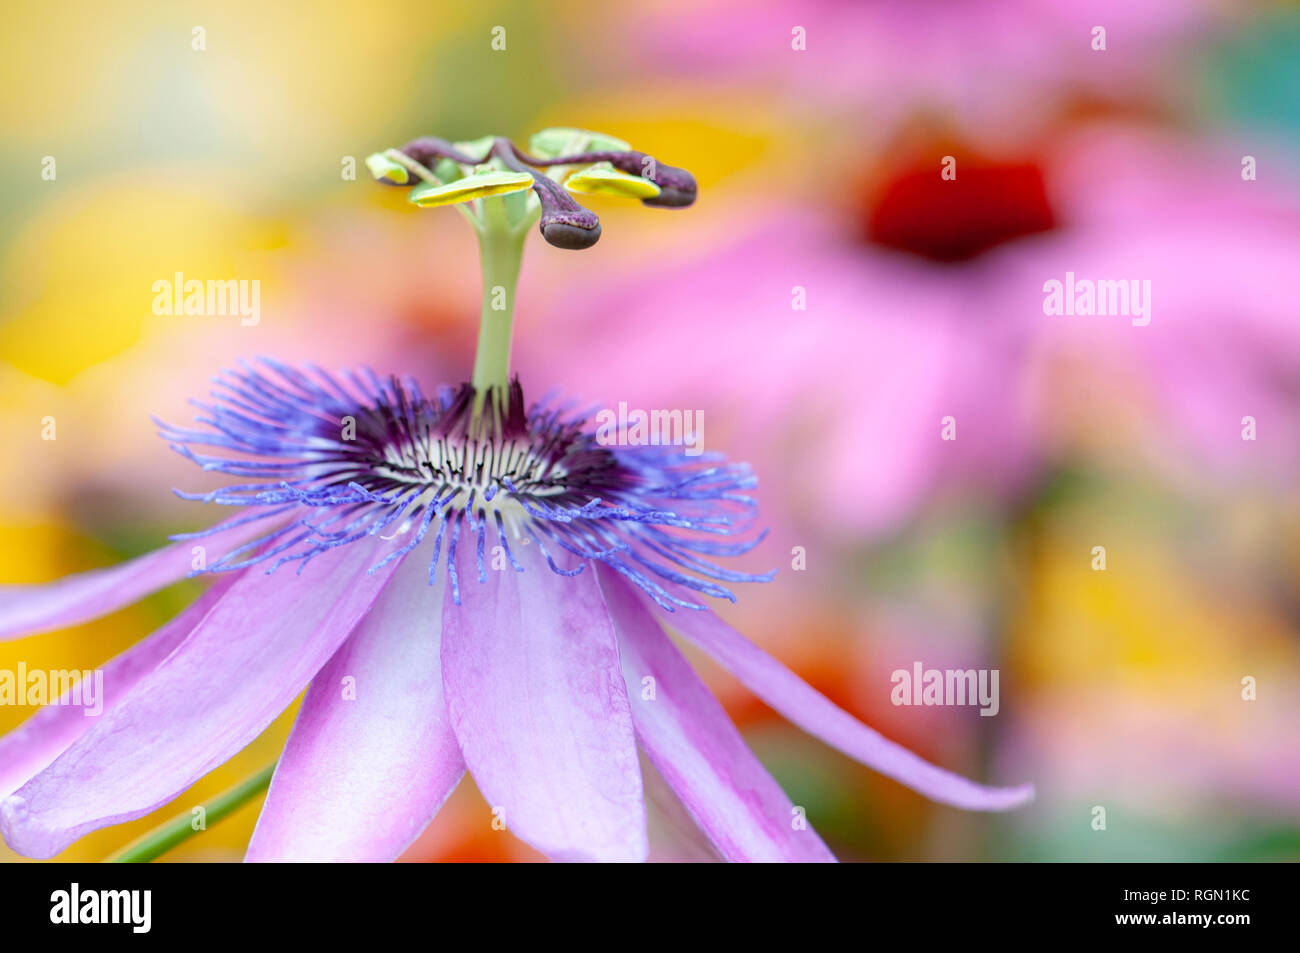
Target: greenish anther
(502, 192)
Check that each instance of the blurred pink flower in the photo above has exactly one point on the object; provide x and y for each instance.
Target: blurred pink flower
(890, 344)
(992, 65)
(1220, 253)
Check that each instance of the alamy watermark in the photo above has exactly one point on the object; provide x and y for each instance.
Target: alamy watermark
(190, 296)
(655, 428)
(56, 687)
(1107, 297)
(133, 908)
(946, 687)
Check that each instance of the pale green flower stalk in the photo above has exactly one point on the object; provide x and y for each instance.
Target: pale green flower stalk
(502, 192)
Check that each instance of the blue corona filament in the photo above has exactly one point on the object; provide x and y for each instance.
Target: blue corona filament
(341, 460)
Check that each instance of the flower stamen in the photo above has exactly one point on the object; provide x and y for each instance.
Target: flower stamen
(371, 455)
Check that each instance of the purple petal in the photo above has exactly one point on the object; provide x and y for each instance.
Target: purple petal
(35, 743)
(362, 775)
(537, 701)
(695, 747)
(27, 610)
(816, 714)
(240, 668)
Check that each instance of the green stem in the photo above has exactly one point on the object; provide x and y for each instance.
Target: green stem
(501, 251)
(162, 839)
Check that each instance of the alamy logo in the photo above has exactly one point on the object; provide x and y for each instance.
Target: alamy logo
(946, 687)
(1084, 296)
(656, 428)
(59, 687)
(132, 907)
(182, 296)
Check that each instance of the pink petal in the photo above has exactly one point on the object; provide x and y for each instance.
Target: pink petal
(816, 714)
(27, 610)
(35, 743)
(239, 669)
(695, 747)
(675, 838)
(362, 776)
(537, 701)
